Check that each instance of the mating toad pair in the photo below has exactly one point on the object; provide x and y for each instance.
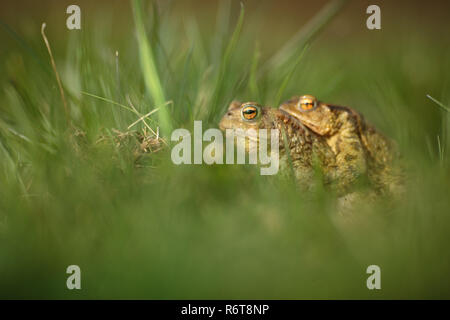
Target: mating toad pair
(335, 139)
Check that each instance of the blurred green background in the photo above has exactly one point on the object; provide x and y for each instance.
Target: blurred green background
(75, 188)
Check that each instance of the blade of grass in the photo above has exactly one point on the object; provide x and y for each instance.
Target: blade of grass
(222, 25)
(149, 71)
(252, 82)
(118, 88)
(58, 79)
(440, 104)
(108, 100)
(27, 48)
(224, 63)
(289, 76)
(12, 165)
(304, 35)
(145, 116)
(184, 80)
(441, 150)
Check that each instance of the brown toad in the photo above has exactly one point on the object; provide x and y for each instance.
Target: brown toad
(359, 148)
(307, 151)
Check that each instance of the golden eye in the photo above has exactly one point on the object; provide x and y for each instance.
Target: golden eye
(307, 102)
(250, 112)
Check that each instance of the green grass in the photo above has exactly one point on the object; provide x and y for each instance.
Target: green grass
(141, 227)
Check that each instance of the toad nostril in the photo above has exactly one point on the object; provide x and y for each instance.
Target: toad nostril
(229, 114)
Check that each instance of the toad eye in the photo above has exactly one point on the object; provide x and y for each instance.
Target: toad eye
(307, 102)
(249, 112)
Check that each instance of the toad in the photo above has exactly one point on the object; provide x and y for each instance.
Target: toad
(359, 148)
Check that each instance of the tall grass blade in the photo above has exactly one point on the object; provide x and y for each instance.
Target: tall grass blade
(304, 35)
(149, 70)
(440, 104)
(289, 76)
(225, 61)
